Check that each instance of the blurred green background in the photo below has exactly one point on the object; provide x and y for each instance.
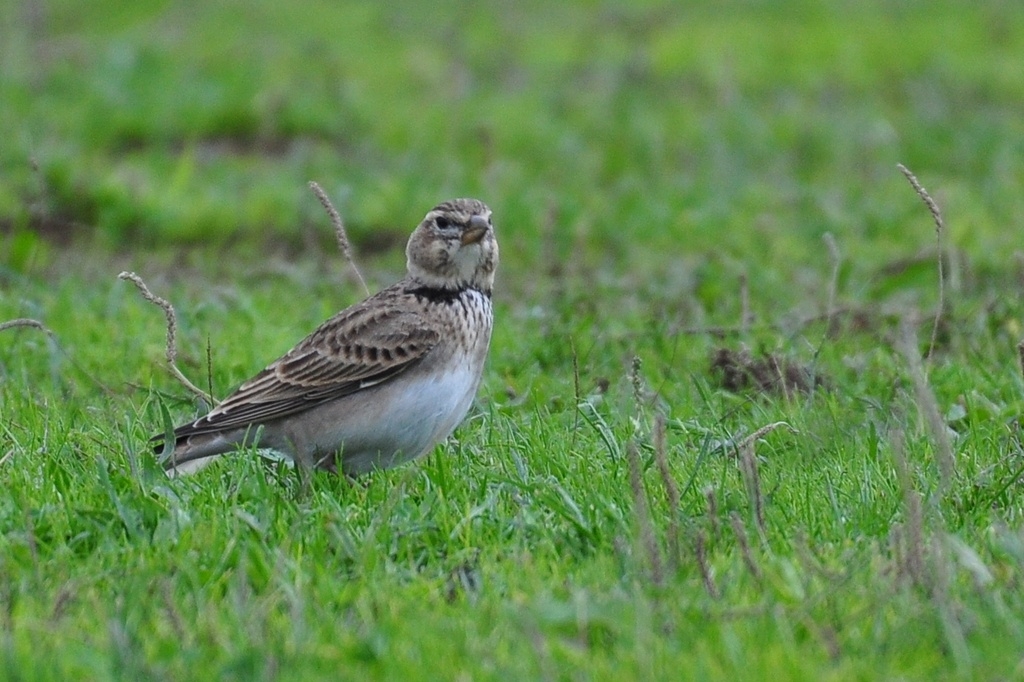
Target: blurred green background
(649, 130)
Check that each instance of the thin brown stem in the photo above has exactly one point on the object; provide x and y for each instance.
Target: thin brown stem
(940, 229)
(171, 349)
(339, 230)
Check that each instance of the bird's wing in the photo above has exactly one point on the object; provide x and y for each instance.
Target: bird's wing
(359, 347)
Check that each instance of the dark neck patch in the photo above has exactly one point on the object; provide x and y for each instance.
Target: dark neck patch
(440, 294)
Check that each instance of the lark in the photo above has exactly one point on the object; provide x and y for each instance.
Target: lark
(381, 382)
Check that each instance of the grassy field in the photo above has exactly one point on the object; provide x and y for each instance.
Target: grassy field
(691, 203)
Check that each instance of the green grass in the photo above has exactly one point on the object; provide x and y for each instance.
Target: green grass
(642, 160)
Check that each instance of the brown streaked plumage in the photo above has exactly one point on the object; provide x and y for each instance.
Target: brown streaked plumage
(381, 382)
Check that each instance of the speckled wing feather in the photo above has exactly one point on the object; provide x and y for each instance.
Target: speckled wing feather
(362, 346)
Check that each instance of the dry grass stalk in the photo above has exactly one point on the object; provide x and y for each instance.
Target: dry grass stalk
(829, 640)
(741, 538)
(926, 561)
(780, 380)
(1020, 357)
(339, 230)
(712, 506)
(171, 350)
(894, 540)
(66, 597)
(637, 382)
(671, 490)
(809, 562)
(173, 616)
(26, 322)
(910, 539)
(700, 550)
(941, 570)
(7, 599)
(643, 514)
(752, 479)
(940, 229)
(749, 469)
(928, 406)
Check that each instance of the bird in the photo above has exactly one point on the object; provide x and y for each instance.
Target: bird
(379, 383)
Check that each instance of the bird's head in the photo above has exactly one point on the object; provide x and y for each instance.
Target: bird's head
(454, 247)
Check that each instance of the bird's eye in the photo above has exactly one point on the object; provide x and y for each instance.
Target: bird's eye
(442, 223)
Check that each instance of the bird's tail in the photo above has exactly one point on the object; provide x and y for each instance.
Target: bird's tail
(191, 453)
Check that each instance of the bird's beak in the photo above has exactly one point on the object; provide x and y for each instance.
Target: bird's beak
(475, 230)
